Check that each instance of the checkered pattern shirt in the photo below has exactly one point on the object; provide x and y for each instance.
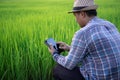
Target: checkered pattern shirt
(97, 48)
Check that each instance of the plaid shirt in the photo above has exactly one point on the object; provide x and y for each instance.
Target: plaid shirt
(97, 48)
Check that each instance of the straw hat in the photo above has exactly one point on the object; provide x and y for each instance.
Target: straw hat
(83, 5)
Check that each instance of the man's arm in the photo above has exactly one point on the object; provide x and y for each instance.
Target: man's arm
(76, 53)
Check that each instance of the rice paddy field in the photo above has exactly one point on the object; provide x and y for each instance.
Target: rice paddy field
(25, 24)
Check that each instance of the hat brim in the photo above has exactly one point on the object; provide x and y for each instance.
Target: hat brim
(94, 7)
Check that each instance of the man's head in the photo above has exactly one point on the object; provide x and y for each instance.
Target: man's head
(83, 17)
(84, 10)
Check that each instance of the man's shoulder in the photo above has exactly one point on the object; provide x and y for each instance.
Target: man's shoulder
(100, 22)
(94, 26)
(97, 23)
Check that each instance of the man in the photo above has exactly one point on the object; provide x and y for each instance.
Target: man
(94, 53)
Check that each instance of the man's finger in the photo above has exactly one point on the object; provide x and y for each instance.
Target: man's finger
(50, 47)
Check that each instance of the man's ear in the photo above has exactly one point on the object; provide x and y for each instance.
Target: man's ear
(83, 14)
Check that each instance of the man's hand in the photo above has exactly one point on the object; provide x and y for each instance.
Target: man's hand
(63, 46)
(51, 49)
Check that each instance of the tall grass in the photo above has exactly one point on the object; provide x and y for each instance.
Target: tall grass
(24, 25)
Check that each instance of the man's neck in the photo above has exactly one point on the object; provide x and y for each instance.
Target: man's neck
(89, 19)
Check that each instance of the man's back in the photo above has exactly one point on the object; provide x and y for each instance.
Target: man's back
(102, 61)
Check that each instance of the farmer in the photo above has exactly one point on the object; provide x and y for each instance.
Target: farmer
(94, 53)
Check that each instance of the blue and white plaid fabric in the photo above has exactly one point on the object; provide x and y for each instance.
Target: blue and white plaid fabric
(97, 48)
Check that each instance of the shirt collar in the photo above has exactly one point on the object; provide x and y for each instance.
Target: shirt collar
(93, 19)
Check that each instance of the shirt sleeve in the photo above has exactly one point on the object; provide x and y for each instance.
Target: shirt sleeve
(76, 53)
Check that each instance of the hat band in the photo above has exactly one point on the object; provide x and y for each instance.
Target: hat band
(78, 8)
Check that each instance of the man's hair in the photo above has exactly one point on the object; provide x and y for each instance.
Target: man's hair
(91, 13)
